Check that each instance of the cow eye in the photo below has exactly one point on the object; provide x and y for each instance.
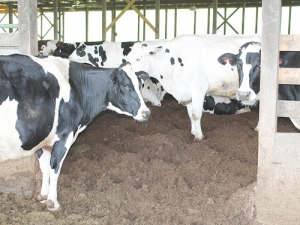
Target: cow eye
(125, 87)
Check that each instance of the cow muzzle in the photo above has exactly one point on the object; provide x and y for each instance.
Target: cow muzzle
(243, 95)
(142, 115)
(246, 97)
(146, 114)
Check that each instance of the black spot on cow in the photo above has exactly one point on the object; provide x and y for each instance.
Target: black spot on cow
(145, 45)
(172, 60)
(167, 50)
(161, 77)
(127, 47)
(102, 54)
(148, 87)
(123, 60)
(209, 103)
(96, 50)
(64, 50)
(180, 61)
(162, 88)
(80, 51)
(154, 80)
(151, 53)
(93, 60)
(143, 85)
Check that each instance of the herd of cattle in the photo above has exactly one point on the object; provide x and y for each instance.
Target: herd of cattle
(45, 100)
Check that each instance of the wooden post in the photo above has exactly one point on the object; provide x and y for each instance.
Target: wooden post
(166, 23)
(113, 29)
(104, 20)
(157, 13)
(28, 39)
(55, 17)
(175, 20)
(278, 179)
(215, 12)
(10, 16)
(86, 24)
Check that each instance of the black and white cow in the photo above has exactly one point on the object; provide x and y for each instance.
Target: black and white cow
(188, 68)
(112, 54)
(108, 54)
(46, 47)
(221, 105)
(45, 103)
(248, 61)
(64, 50)
(59, 48)
(152, 91)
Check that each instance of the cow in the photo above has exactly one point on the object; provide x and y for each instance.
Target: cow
(46, 102)
(107, 54)
(187, 67)
(59, 48)
(248, 62)
(64, 50)
(112, 54)
(153, 91)
(221, 105)
(46, 47)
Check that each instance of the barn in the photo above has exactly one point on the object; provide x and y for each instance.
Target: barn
(122, 172)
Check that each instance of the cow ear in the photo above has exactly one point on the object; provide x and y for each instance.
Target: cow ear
(227, 58)
(113, 76)
(142, 75)
(282, 62)
(59, 44)
(156, 51)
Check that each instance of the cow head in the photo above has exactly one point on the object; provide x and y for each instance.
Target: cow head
(125, 97)
(47, 47)
(64, 50)
(139, 56)
(248, 66)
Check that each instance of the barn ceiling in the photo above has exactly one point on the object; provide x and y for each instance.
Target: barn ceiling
(150, 4)
(78, 5)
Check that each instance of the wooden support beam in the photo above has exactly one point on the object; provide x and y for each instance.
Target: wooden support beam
(141, 15)
(157, 14)
(278, 184)
(104, 20)
(119, 16)
(215, 12)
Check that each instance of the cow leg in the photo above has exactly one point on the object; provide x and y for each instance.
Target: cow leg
(44, 160)
(195, 122)
(195, 112)
(59, 153)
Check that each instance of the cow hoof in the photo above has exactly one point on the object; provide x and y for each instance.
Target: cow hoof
(50, 204)
(41, 198)
(54, 209)
(198, 139)
(51, 207)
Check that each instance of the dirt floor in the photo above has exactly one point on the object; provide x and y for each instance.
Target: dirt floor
(123, 172)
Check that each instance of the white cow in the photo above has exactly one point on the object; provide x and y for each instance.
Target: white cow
(188, 68)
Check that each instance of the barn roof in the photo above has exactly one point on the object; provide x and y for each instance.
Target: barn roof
(150, 4)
